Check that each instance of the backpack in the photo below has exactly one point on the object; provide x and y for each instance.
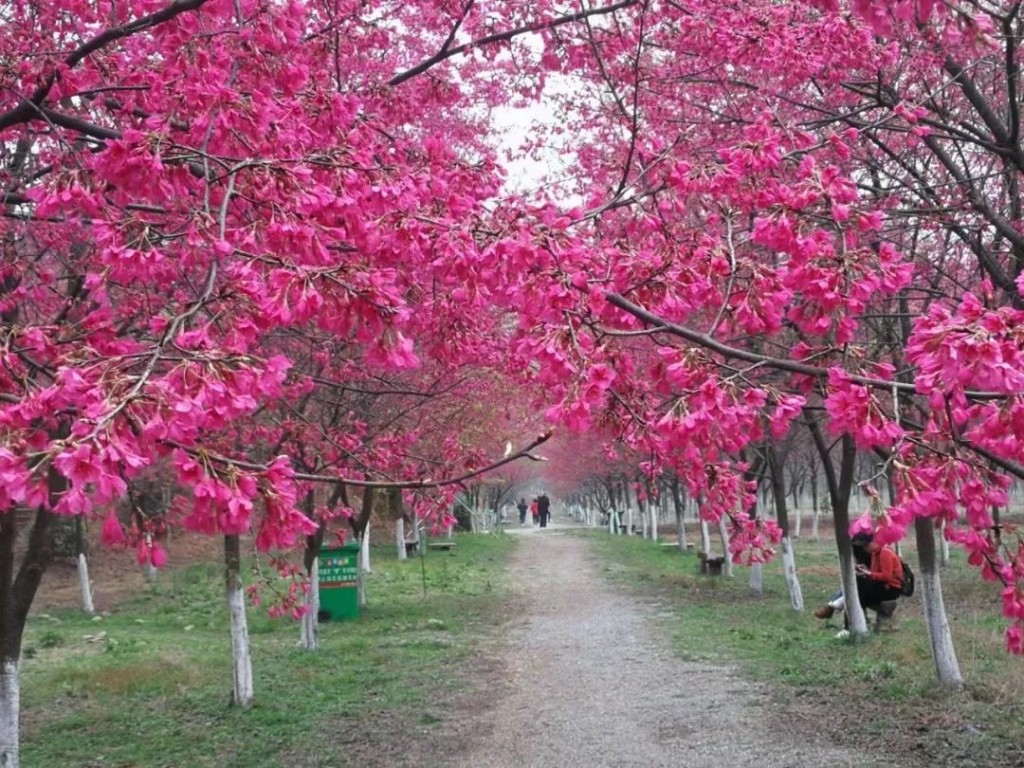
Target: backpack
(907, 587)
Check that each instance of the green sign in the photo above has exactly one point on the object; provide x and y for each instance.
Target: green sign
(339, 569)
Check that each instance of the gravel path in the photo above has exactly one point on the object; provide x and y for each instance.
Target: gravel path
(588, 681)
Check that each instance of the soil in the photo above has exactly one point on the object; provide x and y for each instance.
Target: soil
(583, 677)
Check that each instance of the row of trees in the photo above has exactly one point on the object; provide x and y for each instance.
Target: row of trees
(261, 249)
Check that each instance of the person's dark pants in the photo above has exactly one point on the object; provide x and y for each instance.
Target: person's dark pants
(522, 517)
(871, 593)
(543, 520)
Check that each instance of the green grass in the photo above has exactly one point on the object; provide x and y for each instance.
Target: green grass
(884, 686)
(149, 685)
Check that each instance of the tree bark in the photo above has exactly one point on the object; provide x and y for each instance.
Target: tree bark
(680, 524)
(723, 531)
(10, 706)
(16, 595)
(241, 659)
(839, 490)
(85, 586)
(947, 669)
(310, 625)
(796, 596)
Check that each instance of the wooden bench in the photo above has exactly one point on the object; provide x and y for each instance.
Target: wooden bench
(675, 545)
(411, 547)
(442, 546)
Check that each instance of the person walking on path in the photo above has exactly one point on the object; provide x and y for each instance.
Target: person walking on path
(521, 506)
(544, 509)
(534, 511)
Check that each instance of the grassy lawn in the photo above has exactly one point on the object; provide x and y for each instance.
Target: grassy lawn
(882, 689)
(148, 684)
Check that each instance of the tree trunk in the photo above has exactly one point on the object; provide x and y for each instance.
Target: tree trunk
(400, 538)
(241, 659)
(943, 545)
(705, 537)
(17, 591)
(680, 524)
(364, 564)
(723, 531)
(364, 550)
(309, 628)
(10, 706)
(775, 470)
(839, 490)
(310, 625)
(796, 595)
(947, 669)
(84, 585)
(756, 581)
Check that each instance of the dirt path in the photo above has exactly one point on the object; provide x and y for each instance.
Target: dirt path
(586, 680)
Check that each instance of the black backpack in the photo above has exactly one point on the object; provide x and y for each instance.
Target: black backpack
(907, 588)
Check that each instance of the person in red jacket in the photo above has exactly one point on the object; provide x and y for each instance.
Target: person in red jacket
(882, 578)
(878, 579)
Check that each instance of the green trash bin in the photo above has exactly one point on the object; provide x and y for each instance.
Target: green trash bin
(339, 582)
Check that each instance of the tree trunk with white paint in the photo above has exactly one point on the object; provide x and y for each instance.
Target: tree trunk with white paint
(796, 595)
(653, 508)
(797, 522)
(85, 586)
(680, 508)
(705, 537)
(400, 537)
(840, 486)
(10, 706)
(310, 624)
(364, 562)
(943, 546)
(947, 668)
(756, 581)
(241, 658)
(723, 531)
(778, 486)
(364, 550)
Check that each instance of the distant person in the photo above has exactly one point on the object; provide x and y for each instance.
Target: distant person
(535, 511)
(522, 507)
(544, 509)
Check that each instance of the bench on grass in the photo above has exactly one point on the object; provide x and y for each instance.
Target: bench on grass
(411, 547)
(442, 546)
(675, 545)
